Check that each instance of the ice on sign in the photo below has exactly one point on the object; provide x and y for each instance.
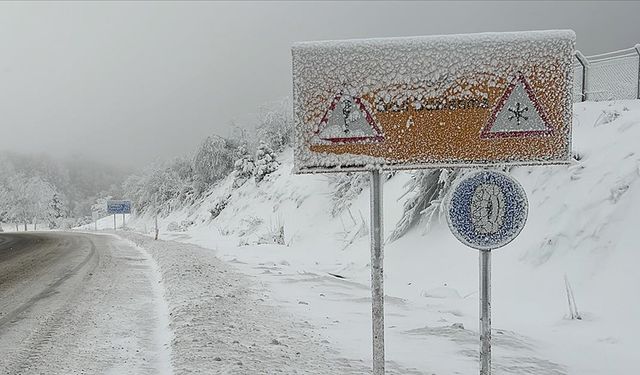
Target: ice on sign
(477, 99)
(517, 114)
(487, 209)
(347, 120)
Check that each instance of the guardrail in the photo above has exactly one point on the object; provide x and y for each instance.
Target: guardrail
(608, 76)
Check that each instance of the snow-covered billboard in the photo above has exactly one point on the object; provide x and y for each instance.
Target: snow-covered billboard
(434, 101)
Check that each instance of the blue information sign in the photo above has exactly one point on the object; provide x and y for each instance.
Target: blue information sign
(487, 209)
(118, 207)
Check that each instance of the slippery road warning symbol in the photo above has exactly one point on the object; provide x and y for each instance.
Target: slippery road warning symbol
(348, 120)
(517, 114)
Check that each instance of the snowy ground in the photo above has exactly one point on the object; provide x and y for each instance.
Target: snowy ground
(222, 324)
(581, 224)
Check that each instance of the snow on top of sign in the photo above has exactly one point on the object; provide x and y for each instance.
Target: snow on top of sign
(409, 70)
(446, 38)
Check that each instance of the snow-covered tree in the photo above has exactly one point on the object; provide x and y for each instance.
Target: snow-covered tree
(76, 180)
(99, 208)
(57, 210)
(265, 162)
(213, 160)
(39, 193)
(25, 199)
(427, 189)
(162, 187)
(16, 201)
(345, 188)
(275, 124)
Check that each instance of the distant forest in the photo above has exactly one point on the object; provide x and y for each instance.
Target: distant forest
(58, 193)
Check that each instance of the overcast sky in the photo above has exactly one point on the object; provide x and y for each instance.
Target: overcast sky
(128, 83)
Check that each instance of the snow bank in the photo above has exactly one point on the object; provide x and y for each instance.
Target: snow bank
(221, 323)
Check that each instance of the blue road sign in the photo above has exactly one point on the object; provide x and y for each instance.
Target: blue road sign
(487, 209)
(119, 207)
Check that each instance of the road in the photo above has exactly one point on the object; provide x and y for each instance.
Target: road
(76, 303)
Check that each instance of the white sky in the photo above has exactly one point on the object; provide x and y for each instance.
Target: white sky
(128, 83)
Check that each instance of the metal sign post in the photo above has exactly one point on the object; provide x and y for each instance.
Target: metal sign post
(486, 210)
(156, 226)
(485, 312)
(123, 223)
(377, 274)
(114, 221)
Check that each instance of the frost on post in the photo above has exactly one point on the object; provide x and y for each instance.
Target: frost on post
(439, 101)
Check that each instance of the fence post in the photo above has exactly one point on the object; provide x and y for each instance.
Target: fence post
(585, 66)
(638, 51)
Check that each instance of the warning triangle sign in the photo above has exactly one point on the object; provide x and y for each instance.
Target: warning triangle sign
(517, 114)
(348, 120)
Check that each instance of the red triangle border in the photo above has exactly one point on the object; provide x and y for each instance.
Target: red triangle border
(376, 138)
(485, 133)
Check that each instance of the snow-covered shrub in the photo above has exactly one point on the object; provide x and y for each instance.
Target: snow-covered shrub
(243, 166)
(352, 229)
(275, 125)
(345, 188)
(219, 206)
(213, 161)
(429, 189)
(175, 227)
(248, 225)
(273, 236)
(607, 116)
(179, 227)
(265, 163)
(67, 223)
(162, 187)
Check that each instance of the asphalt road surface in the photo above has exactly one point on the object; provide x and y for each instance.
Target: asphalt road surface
(75, 303)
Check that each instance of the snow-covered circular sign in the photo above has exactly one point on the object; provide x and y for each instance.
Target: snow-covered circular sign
(487, 209)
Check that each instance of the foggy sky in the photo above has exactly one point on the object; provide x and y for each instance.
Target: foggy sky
(128, 83)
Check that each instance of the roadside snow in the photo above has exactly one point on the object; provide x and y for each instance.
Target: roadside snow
(222, 324)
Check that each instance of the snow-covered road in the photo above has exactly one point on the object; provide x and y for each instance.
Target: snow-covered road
(74, 303)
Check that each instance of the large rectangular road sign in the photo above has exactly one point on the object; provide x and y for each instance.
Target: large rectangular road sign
(118, 207)
(439, 101)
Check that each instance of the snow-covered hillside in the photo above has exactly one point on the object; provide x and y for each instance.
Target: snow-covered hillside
(581, 225)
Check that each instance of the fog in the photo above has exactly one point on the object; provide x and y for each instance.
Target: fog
(128, 83)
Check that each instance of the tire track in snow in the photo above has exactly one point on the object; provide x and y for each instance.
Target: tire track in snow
(51, 289)
(98, 316)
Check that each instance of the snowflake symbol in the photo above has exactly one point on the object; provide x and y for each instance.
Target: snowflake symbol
(518, 113)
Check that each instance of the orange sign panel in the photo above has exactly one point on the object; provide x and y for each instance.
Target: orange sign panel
(440, 101)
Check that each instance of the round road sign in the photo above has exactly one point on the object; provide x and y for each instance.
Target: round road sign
(487, 209)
